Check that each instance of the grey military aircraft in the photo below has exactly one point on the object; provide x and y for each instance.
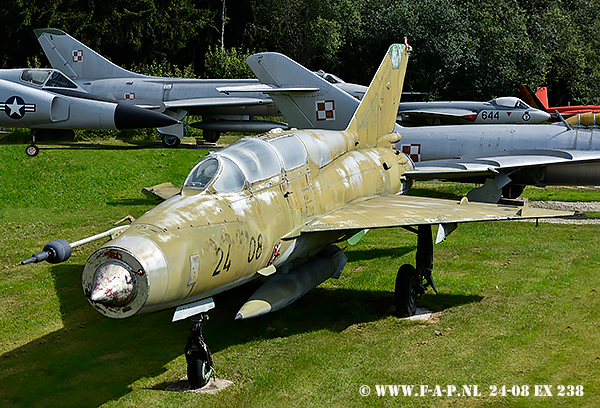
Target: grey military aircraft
(45, 98)
(176, 97)
(276, 203)
(504, 158)
(277, 73)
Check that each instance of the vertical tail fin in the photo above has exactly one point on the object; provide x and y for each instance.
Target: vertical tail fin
(538, 100)
(75, 59)
(328, 108)
(376, 114)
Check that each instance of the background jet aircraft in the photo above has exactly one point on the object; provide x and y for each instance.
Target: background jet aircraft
(177, 97)
(301, 111)
(504, 110)
(44, 98)
(273, 203)
(511, 156)
(540, 101)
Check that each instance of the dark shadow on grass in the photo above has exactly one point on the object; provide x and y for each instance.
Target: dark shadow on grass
(366, 254)
(93, 359)
(133, 201)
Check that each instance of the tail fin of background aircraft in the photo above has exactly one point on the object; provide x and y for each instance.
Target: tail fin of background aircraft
(376, 114)
(539, 100)
(75, 59)
(328, 108)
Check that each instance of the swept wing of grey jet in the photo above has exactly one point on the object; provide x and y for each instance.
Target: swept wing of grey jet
(509, 156)
(45, 98)
(275, 203)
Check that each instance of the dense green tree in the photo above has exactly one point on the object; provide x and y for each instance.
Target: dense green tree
(467, 49)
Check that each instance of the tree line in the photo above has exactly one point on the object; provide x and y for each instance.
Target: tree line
(462, 49)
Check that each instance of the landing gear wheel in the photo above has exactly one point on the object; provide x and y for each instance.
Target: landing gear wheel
(170, 141)
(512, 190)
(197, 354)
(32, 150)
(198, 368)
(406, 291)
(211, 136)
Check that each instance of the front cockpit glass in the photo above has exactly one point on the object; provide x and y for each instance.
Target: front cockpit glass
(35, 77)
(203, 173)
(255, 157)
(509, 102)
(230, 179)
(59, 80)
(292, 151)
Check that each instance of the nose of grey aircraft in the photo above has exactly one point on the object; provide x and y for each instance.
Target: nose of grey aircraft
(131, 117)
(113, 285)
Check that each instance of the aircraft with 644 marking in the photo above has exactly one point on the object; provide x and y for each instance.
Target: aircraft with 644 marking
(274, 205)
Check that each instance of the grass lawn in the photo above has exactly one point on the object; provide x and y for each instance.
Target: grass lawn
(518, 305)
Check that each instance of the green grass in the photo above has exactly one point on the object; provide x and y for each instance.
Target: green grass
(518, 305)
(455, 190)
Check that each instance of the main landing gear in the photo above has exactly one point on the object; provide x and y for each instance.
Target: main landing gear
(411, 282)
(200, 364)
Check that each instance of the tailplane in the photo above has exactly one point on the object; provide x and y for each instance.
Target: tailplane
(75, 59)
(376, 114)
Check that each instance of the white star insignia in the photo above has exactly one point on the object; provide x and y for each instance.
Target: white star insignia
(15, 107)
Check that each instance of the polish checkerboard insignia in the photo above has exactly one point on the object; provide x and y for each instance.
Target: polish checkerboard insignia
(325, 110)
(130, 96)
(413, 151)
(77, 55)
(15, 107)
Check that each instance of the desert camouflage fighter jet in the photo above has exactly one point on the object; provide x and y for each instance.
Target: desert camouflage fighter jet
(274, 205)
(45, 98)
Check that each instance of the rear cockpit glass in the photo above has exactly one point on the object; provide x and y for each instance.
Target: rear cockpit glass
(292, 151)
(255, 157)
(203, 173)
(231, 178)
(59, 80)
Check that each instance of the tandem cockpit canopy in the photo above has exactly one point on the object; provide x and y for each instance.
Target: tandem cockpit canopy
(46, 78)
(249, 160)
(510, 102)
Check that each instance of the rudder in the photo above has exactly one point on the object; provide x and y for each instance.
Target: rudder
(75, 59)
(376, 114)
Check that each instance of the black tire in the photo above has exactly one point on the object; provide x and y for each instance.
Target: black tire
(512, 190)
(170, 141)
(198, 369)
(406, 291)
(32, 150)
(211, 136)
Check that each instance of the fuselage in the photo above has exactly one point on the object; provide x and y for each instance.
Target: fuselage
(477, 141)
(239, 211)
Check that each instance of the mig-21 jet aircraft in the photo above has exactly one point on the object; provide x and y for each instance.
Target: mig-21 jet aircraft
(45, 98)
(504, 158)
(274, 205)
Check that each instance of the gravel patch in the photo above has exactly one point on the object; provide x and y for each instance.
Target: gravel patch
(579, 207)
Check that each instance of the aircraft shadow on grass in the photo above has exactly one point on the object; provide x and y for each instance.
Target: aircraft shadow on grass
(93, 359)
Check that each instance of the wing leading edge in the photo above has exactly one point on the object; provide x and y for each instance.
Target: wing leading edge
(405, 211)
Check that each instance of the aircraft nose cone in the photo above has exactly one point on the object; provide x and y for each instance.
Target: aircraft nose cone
(131, 117)
(113, 285)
